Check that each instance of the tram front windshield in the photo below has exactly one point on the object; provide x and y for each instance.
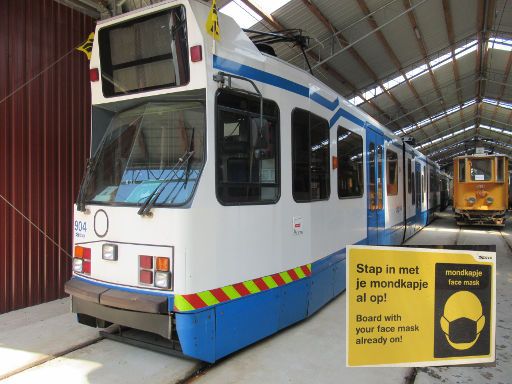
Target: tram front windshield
(147, 147)
(481, 169)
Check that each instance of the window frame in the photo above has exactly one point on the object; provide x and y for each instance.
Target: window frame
(492, 177)
(463, 162)
(108, 62)
(278, 150)
(409, 176)
(388, 173)
(362, 167)
(328, 173)
(498, 160)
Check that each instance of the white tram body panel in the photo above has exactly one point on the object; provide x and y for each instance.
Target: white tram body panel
(212, 246)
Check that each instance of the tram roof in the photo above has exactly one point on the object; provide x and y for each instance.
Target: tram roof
(445, 83)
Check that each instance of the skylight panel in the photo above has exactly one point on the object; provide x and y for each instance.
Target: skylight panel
(244, 16)
(417, 71)
(356, 100)
(468, 103)
(490, 101)
(241, 13)
(372, 93)
(505, 105)
(466, 49)
(394, 82)
(441, 60)
(503, 44)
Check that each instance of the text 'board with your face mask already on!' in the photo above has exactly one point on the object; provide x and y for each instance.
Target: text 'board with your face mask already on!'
(420, 306)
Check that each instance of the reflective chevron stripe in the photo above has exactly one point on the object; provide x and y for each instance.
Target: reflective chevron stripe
(184, 303)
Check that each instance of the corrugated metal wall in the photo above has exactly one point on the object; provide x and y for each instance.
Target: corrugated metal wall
(44, 139)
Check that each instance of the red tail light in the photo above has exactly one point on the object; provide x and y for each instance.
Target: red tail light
(196, 53)
(86, 267)
(146, 277)
(94, 74)
(84, 254)
(146, 262)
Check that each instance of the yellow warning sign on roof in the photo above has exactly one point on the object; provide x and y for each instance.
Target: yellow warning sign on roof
(86, 46)
(418, 306)
(212, 23)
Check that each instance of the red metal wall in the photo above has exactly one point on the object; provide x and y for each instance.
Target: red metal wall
(44, 140)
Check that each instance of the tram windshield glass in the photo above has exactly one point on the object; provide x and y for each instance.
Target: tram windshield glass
(481, 169)
(147, 147)
(145, 53)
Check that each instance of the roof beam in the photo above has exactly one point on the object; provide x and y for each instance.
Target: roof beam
(451, 38)
(485, 133)
(504, 84)
(338, 76)
(387, 47)
(485, 16)
(353, 52)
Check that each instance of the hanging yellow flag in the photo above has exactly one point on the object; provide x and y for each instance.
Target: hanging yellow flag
(86, 46)
(212, 23)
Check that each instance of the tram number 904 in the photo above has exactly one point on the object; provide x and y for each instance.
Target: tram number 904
(80, 228)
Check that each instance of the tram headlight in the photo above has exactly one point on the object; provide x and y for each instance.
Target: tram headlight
(109, 252)
(163, 279)
(489, 200)
(471, 200)
(77, 265)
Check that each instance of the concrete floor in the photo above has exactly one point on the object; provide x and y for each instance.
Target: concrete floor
(444, 229)
(45, 344)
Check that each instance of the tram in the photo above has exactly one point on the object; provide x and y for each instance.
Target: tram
(480, 191)
(223, 187)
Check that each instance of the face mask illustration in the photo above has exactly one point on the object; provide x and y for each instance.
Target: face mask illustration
(462, 320)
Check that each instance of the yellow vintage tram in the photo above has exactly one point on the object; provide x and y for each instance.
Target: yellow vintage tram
(480, 192)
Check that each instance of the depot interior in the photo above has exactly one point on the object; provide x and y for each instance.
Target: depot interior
(437, 73)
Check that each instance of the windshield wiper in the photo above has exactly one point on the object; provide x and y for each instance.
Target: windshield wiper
(80, 201)
(190, 150)
(153, 197)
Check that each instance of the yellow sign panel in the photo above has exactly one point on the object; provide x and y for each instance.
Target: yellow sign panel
(212, 23)
(419, 307)
(86, 46)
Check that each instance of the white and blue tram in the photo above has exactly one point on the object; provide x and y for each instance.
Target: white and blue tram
(223, 188)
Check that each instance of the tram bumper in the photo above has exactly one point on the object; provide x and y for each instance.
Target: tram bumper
(98, 306)
(480, 217)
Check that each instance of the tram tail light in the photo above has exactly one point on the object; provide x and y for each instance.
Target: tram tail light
(146, 277)
(196, 53)
(82, 260)
(94, 75)
(162, 264)
(146, 262)
(155, 271)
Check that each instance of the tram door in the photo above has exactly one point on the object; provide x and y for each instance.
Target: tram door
(374, 181)
(419, 201)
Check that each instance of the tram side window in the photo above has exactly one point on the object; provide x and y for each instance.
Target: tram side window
(413, 190)
(247, 151)
(423, 183)
(310, 161)
(380, 155)
(462, 170)
(392, 171)
(500, 169)
(350, 164)
(432, 181)
(409, 176)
